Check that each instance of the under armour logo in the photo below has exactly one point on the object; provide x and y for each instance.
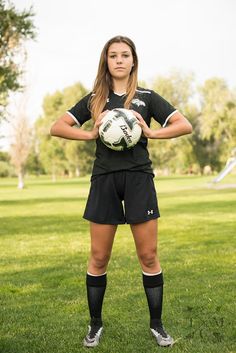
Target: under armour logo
(150, 212)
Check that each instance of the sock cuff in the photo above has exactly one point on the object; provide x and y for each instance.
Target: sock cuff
(91, 274)
(152, 274)
(96, 281)
(153, 281)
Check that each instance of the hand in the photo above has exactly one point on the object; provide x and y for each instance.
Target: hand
(98, 122)
(147, 132)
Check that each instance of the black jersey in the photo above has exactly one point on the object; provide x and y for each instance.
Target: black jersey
(146, 102)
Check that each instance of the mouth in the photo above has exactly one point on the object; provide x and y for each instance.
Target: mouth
(119, 68)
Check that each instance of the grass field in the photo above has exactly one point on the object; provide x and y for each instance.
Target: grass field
(44, 246)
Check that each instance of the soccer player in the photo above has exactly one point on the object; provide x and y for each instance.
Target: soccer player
(122, 176)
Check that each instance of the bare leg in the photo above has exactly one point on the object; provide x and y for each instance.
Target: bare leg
(145, 237)
(102, 237)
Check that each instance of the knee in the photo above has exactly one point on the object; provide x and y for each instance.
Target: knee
(100, 260)
(148, 259)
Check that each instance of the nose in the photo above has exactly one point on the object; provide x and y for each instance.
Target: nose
(119, 59)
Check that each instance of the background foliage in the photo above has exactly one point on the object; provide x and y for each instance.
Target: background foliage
(15, 28)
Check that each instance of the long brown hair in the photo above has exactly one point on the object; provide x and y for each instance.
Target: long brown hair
(103, 82)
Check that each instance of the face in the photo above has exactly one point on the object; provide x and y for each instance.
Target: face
(120, 60)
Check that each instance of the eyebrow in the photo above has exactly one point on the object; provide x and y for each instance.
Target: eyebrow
(123, 52)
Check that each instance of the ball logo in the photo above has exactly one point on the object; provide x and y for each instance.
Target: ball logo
(120, 129)
(124, 128)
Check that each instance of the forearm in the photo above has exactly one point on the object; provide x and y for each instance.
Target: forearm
(172, 130)
(68, 132)
(178, 125)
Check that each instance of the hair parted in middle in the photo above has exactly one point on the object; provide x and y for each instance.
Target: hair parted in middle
(103, 82)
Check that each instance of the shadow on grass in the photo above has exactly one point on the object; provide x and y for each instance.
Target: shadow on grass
(198, 207)
(195, 192)
(38, 225)
(27, 202)
(41, 182)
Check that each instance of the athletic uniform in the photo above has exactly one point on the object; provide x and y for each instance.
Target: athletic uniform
(124, 177)
(127, 176)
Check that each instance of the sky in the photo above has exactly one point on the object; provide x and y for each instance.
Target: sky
(196, 36)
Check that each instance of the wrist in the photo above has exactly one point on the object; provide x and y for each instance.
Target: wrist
(93, 134)
(151, 134)
(157, 134)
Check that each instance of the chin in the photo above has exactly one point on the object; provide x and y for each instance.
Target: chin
(119, 76)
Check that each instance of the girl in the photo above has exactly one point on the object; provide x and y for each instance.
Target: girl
(122, 176)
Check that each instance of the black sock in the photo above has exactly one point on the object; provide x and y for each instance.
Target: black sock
(153, 286)
(96, 286)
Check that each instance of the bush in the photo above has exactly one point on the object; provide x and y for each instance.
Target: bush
(5, 169)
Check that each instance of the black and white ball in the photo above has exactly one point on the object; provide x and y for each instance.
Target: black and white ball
(120, 129)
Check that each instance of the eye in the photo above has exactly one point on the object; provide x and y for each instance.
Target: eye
(112, 56)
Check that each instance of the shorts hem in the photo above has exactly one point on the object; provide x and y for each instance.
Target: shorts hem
(121, 222)
(142, 220)
(103, 222)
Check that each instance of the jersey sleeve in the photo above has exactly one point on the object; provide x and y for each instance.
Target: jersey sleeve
(80, 112)
(161, 110)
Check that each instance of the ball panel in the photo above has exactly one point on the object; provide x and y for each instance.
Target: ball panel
(120, 129)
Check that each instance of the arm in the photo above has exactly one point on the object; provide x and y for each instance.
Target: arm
(63, 127)
(178, 125)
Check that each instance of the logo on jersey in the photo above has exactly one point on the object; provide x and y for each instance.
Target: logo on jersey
(138, 102)
(150, 212)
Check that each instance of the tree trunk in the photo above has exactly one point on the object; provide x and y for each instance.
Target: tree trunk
(21, 183)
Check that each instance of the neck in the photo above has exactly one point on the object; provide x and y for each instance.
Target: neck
(120, 86)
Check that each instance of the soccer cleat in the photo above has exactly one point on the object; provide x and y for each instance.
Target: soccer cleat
(162, 337)
(93, 336)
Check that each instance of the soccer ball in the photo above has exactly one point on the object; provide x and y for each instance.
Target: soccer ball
(120, 129)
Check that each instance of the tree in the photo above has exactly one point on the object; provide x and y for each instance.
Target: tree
(80, 155)
(217, 121)
(5, 168)
(20, 143)
(59, 156)
(15, 28)
(33, 164)
(173, 154)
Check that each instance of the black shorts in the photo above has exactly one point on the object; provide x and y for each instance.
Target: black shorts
(122, 197)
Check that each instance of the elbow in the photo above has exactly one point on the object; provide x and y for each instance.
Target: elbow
(53, 130)
(189, 128)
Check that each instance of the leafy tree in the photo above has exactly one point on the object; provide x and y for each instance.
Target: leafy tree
(173, 154)
(60, 156)
(33, 164)
(15, 28)
(5, 168)
(80, 155)
(217, 121)
(4, 156)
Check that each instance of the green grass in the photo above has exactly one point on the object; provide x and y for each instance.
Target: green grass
(44, 244)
